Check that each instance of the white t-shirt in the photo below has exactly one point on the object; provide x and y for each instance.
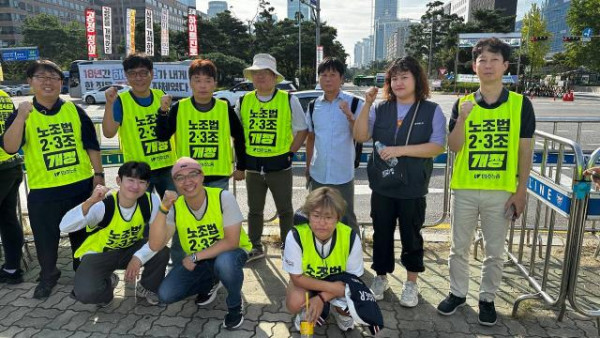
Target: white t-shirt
(232, 214)
(292, 255)
(75, 220)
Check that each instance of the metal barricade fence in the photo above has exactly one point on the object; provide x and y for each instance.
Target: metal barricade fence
(551, 191)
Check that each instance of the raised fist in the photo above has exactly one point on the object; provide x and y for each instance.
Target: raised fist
(371, 94)
(111, 95)
(169, 198)
(98, 193)
(165, 102)
(25, 108)
(465, 109)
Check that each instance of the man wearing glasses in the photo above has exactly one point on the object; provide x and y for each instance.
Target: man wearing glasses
(62, 157)
(209, 223)
(133, 115)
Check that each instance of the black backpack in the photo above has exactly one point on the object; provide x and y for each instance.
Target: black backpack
(358, 147)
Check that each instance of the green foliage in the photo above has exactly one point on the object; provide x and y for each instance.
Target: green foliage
(228, 67)
(534, 25)
(55, 41)
(583, 14)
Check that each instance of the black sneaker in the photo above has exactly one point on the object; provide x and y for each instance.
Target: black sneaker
(234, 318)
(43, 290)
(487, 313)
(449, 305)
(11, 278)
(207, 298)
(255, 254)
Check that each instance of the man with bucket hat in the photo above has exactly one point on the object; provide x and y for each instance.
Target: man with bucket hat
(274, 128)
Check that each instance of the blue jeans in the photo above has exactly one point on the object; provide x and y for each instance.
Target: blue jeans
(177, 253)
(227, 267)
(161, 180)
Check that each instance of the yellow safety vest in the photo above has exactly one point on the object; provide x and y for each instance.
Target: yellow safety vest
(118, 234)
(54, 154)
(267, 125)
(489, 157)
(205, 137)
(198, 234)
(6, 108)
(316, 266)
(138, 133)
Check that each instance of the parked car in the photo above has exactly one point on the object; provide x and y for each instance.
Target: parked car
(97, 95)
(305, 96)
(8, 90)
(234, 93)
(23, 89)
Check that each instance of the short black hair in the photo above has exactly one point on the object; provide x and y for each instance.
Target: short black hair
(44, 65)
(493, 45)
(203, 67)
(331, 63)
(135, 169)
(137, 60)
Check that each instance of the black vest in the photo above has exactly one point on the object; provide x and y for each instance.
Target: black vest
(410, 177)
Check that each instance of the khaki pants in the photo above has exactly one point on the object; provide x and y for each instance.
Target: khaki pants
(467, 205)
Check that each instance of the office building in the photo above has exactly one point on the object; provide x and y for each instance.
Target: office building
(466, 8)
(216, 7)
(292, 9)
(385, 22)
(396, 43)
(555, 15)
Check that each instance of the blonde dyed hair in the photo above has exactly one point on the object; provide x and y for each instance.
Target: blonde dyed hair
(325, 198)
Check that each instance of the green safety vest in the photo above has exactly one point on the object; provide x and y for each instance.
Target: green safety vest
(319, 267)
(205, 137)
(119, 233)
(198, 234)
(6, 108)
(138, 133)
(267, 125)
(54, 154)
(489, 157)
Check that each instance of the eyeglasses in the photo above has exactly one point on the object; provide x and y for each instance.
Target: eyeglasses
(42, 78)
(182, 178)
(139, 73)
(327, 219)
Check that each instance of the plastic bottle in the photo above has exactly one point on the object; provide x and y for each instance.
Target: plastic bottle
(306, 328)
(391, 162)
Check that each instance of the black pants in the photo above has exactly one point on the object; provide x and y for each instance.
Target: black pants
(410, 215)
(11, 230)
(45, 219)
(92, 279)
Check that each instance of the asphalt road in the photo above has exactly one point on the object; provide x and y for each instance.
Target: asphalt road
(588, 107)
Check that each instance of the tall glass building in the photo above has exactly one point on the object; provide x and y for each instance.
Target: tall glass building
(555, 15)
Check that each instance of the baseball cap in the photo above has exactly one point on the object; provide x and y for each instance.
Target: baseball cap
(185, 163)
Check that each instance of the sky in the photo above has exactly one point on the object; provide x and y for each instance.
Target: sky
(352, 19)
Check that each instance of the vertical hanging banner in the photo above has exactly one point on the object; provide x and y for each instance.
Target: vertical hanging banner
(107, 29)
(1, 74)
(164, 32)
(192, 32)
(149, 33)
(319, 59)
(130, 32)
(90, 31)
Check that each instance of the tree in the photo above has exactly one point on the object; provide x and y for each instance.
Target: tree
(228, 67)
(583, 14)
(533, 26)
(60, 43)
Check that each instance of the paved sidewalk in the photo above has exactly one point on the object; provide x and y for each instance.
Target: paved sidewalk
(265, 313)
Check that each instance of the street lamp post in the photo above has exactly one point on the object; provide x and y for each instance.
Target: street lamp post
(299, 16)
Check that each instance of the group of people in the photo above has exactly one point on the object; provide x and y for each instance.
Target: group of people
(179, 157)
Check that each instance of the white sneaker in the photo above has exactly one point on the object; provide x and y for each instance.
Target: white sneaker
(345, 323)
(380, 284)
(151, 297)
(410, 294)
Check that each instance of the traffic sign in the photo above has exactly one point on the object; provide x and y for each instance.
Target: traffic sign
(20, 54)
(587, 34)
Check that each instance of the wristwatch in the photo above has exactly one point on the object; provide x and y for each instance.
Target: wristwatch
(193, 258)
(99, 174)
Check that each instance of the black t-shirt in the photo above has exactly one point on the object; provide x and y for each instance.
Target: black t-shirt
(527, 113)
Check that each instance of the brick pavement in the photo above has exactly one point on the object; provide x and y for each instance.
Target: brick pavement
(265, 315)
